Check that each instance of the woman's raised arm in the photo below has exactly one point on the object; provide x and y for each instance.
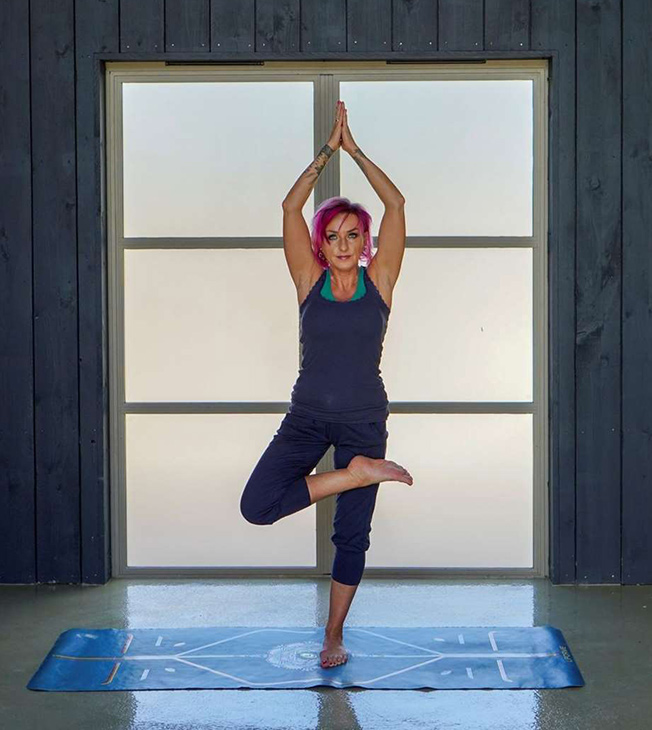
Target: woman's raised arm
(296, 236)
(391, 234)
(384, 187)
(300, 191)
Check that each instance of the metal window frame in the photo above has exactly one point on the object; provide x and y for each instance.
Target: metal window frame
(326, 77)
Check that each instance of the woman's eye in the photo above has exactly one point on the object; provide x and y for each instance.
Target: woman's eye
(332, 235)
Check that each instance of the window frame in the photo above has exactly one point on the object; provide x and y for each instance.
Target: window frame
(326, 77)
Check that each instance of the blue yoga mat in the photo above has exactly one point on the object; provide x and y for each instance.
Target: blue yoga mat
(283, 658)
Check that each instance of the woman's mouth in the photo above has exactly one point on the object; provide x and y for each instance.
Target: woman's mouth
(344, 257)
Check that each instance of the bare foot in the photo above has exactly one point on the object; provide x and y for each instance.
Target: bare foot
(369, 471)
(333, 652)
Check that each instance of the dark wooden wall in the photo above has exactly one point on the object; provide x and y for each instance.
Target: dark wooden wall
(54, 486)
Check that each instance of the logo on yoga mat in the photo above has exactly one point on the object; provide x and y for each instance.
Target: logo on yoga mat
(303, 655)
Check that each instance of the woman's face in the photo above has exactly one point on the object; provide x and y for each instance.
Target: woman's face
(343, 238)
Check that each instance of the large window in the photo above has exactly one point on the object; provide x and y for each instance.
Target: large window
(204, 314)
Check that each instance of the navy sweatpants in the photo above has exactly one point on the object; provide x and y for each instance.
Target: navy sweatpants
(277, 486)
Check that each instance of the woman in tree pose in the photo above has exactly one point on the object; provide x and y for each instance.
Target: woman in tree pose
(339, 397)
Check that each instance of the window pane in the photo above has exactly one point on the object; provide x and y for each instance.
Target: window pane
(459, 151)
(213, 158)
(470, 505)
(461, 326)
(185, 477)
(209, 325)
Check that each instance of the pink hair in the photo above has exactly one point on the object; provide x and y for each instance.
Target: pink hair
(326, 212)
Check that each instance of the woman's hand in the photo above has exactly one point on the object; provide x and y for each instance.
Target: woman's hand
(348, 143)
(335, 140)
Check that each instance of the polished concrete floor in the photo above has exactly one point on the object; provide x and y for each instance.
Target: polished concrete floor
(608, 629)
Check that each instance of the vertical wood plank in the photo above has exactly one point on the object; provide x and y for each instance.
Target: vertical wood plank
(187, 26)
(17, 503)
(461, 25)
(507, 25)
(553, 27)
(142, 26)
(97, 29)
(598, 292)
(233, 26)
(323, 25)
(277, 26)
(369, 26)
(414, 25)
(56, 376)
(637, 294)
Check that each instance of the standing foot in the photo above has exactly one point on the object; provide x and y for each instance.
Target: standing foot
(334, 652)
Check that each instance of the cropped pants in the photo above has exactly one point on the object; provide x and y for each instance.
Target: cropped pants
(277, 486)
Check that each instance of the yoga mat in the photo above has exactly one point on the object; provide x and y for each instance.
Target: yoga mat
(228, 657)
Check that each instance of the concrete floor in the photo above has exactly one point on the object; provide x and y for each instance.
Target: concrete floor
(608, 629)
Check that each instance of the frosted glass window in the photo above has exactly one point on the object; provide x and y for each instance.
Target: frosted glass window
(470, 505)
(213, 158)
(209, 325)
(461, 326)
(460, 151)
(210, 159)
(186, 474)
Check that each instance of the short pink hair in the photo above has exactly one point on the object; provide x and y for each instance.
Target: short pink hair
(326, 212)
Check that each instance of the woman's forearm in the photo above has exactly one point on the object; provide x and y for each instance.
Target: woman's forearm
(300, 191)
(384, 187)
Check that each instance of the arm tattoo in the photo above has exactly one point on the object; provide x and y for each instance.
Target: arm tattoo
(314, 169)
(359, 156)
(326, 150)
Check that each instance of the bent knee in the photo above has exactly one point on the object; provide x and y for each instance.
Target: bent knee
(256, 519)
(253, 514)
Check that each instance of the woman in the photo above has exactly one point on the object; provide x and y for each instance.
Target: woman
(339, 397)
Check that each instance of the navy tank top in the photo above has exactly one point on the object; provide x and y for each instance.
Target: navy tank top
(342, 343)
